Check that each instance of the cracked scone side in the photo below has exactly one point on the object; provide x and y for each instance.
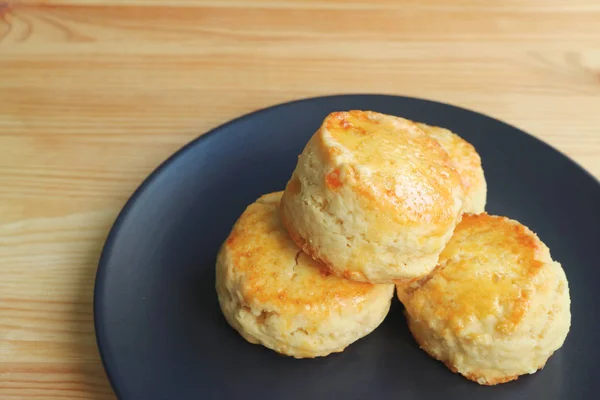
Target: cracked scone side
(274, 294)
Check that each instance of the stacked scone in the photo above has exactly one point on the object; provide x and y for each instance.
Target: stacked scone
(378, 202)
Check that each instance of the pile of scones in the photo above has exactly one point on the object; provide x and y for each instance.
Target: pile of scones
(378, 204)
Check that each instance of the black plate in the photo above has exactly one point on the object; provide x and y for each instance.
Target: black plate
(159, 328)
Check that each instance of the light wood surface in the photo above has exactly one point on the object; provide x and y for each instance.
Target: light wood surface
(95, 94)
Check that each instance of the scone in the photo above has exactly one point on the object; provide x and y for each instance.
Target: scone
(467, 163)
(373, 198)
(275, 295)
(496, 307)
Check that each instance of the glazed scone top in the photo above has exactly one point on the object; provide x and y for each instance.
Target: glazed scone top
(390, 160)
(272, 270)
(467, 163)
(489, 272)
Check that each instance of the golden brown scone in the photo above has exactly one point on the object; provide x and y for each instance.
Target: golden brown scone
(373, 198)
(496, 307)
(467, 163)
(275, 295)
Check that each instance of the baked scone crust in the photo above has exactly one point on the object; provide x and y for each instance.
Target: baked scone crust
(496, 307)
(373, 198)
(274, 294)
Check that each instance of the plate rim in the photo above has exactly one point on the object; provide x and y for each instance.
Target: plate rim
(100, 276)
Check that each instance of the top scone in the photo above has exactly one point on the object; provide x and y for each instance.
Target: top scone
(373, 198)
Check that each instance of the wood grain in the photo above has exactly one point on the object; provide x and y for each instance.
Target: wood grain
(95, 93)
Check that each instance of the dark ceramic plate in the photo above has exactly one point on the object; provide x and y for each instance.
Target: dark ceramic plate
(158, 324)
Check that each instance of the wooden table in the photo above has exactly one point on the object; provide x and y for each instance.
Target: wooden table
(95, 94)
